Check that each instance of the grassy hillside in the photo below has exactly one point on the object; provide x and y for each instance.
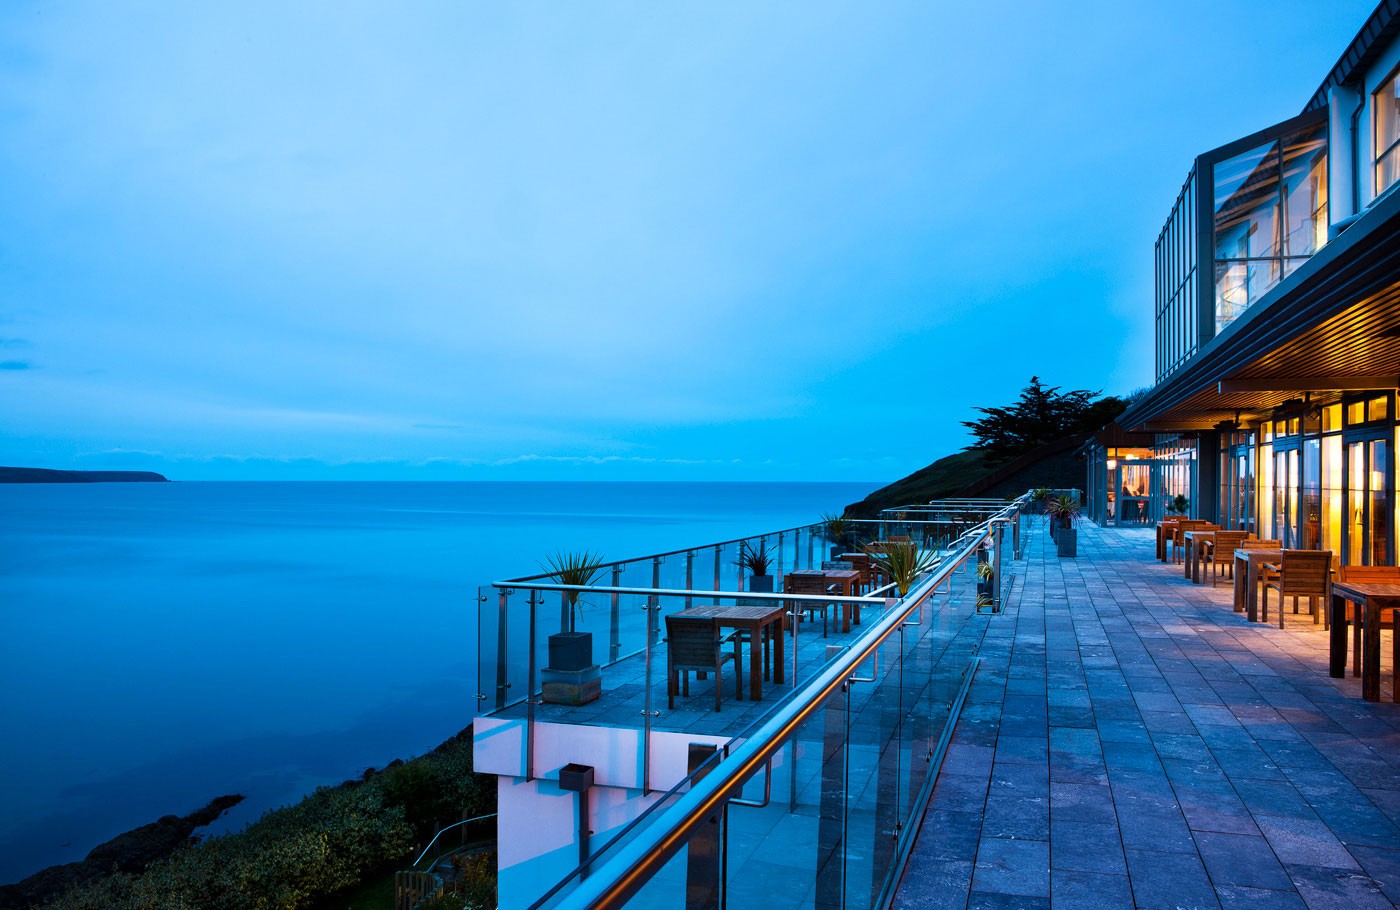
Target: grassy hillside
(1056, 465)
(940, 480)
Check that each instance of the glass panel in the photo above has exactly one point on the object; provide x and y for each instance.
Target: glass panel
(1266, 487)
(1303, 193)
(1332, 493)
(1270, 215)
(1356, 503)
(1356, 413)
(1331, 418)
(1312, 494)
(789, 854)
(1378, 408)
(1387, 120)
(1379, 504)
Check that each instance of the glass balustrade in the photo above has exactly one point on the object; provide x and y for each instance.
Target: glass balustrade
(819, 784)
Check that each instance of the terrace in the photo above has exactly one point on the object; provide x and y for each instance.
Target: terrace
(1130, 740)
(1126, 740)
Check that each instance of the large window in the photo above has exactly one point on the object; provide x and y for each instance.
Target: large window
(1270, 216)
(1175, 271)
(1387, 131)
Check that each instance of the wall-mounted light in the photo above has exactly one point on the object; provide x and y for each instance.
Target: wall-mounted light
(1113, 464)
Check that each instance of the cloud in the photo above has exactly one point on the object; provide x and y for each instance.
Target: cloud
(15, 365)
(606, 459)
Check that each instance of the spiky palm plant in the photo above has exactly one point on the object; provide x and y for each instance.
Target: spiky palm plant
(755, 560)
(573, 568)
(903, 562)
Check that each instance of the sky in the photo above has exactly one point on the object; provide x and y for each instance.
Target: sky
(601, 241)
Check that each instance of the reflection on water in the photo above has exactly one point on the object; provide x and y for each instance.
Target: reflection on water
(161, 644)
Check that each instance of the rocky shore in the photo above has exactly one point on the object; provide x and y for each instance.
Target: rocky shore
(129, 852)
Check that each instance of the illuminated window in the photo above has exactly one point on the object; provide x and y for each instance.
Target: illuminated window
(1387, 105)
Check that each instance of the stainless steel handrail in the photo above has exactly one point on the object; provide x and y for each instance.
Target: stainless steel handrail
(692, 592)
(616, 879)
(692, 549)
(465, 821)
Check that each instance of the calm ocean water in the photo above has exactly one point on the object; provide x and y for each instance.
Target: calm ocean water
(161, 644)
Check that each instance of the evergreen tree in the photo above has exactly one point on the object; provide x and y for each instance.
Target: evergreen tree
(1041, 415)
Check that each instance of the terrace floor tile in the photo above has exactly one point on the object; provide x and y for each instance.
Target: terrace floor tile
(1130, 741)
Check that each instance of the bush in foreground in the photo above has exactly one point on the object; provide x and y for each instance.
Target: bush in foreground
(293, 857)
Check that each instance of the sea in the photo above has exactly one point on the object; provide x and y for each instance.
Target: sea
(164, 644)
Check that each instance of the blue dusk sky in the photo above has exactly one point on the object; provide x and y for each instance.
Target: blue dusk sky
(593, 241)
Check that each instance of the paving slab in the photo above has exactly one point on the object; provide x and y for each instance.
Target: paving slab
(1131, 741)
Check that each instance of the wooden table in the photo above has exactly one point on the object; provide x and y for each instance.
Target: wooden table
(1248, 566)
(1165, 529)
(1195, 543)
(1370, 599)
(849, 580)
(758, 622)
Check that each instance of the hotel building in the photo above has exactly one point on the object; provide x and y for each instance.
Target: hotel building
(1277, 328)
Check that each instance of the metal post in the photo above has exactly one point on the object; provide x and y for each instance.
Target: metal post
(530, 699)
(999, 540)
(719, 550)
(502, 641)
(615, 617)
(654, 602)
(689, 576)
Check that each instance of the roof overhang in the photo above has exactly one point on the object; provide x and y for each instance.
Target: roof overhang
(1330, 327)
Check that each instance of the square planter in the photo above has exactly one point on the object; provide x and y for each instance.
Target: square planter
(1067, 542)
(571, 650)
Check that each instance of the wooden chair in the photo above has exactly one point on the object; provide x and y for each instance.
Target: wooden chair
(694, 645)
(1178, 535)
(1377, 575)
(1222, 552)
(1302, 573)
(808, 584)
(865, 566)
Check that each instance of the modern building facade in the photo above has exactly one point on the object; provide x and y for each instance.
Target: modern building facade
(1277, 309)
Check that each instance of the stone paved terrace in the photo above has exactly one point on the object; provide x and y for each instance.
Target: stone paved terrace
(1131, 741)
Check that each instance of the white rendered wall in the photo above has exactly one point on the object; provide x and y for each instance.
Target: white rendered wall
(537, 821)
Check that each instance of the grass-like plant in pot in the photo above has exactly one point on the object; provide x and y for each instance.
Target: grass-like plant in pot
(758, 562)
(1063, 511)
(838, 529)
(902, 562)
(570, 649)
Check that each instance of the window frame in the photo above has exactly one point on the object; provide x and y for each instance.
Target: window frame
(1378, 155)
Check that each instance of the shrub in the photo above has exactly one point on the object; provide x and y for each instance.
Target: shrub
(300, 854)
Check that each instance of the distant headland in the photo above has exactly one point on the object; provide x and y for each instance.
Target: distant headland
(44, 475)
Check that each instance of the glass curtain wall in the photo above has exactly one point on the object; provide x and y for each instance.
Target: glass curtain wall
(1270, 216)
(1326, 480)
(1175, 274)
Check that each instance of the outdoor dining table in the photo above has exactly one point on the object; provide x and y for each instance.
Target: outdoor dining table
(1195, 544)
(1165, 529)
(758, 622)
(1370, 599)
(849, 582)
(1249, 566)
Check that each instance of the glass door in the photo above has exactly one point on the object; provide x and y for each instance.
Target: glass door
(1368, 498)
(1285, 511)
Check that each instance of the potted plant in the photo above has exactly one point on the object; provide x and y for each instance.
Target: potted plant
(757, 562)
(1179, 506)
(903, 563)
(1063, 510)
(838, 530)
(1038, 497)
(571, 677)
